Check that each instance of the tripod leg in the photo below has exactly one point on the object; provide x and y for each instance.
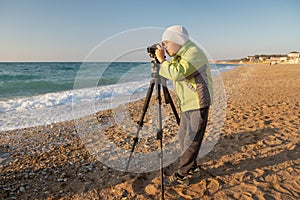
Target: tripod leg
(159, 137)
(168, 100)
(141, 121)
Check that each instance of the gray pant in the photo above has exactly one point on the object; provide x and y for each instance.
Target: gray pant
(191, 132)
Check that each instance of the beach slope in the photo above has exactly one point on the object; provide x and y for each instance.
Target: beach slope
(256, 157)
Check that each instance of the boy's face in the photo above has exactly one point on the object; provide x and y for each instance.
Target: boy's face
(171, 47)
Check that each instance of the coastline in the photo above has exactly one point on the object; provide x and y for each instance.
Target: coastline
(36, 109)
(257, 155)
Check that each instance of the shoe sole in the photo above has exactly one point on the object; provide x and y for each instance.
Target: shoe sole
(178, 185)
(194, 176)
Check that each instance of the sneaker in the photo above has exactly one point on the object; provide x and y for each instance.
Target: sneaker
(175, 180)
(194, 173)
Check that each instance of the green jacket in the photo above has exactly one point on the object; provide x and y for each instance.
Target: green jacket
(190, 72)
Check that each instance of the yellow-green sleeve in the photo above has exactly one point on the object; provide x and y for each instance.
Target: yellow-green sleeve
(176, 71)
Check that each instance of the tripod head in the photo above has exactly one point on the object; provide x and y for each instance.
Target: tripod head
(155, 66)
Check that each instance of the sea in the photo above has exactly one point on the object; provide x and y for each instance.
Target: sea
(42, 93)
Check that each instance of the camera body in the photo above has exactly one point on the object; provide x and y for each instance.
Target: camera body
(151, 50)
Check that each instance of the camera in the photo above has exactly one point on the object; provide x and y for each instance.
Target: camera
(151, 50)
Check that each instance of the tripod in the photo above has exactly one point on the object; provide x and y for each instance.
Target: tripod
(158, 82)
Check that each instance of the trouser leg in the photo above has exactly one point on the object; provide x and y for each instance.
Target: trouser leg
(191, 133)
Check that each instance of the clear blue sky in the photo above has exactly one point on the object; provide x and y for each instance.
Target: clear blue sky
(67, 30)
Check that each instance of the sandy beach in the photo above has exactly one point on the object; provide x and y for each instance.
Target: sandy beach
(256, 157)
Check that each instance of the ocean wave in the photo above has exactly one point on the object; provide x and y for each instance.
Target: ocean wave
(51, 105)
(59, 106)
(18, 77)
(30, 88)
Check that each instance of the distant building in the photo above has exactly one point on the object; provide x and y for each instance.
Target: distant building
(290, 58)
(263, 58)
(283, 59)
(293, 57)
(275, 60)
(251, 58)
(294, 54)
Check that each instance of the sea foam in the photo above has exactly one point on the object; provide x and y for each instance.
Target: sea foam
(22, 112)
(68, 105)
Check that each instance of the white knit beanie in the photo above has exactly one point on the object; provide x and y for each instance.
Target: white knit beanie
(177, 34)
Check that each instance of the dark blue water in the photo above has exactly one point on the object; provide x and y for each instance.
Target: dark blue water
(29, 79)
